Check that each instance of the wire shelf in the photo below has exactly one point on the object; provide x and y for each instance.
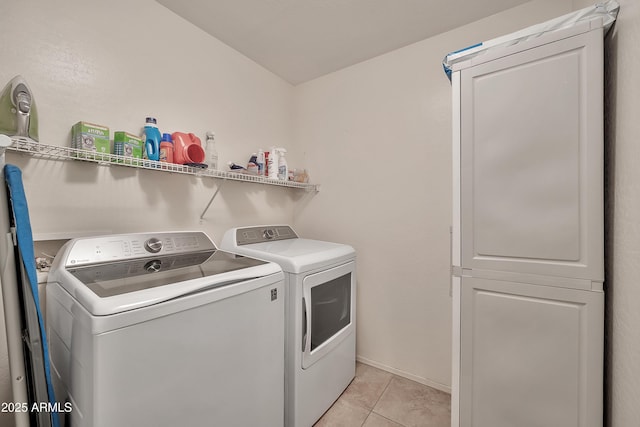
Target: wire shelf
(54, 152)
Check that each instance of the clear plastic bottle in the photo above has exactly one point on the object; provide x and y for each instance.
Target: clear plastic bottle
(212, 153)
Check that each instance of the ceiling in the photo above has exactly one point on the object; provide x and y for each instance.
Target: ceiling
(300, 40)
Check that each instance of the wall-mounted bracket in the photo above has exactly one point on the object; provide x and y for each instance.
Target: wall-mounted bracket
(212, 197)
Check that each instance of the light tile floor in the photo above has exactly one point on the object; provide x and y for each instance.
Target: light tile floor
(376, 398)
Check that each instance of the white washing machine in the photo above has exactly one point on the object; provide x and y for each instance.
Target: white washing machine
(163, 329)
(320, 339)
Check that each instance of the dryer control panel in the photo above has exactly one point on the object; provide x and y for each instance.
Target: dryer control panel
(94, 250)
(267, 233)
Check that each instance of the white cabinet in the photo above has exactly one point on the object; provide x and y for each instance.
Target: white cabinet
(528, 233)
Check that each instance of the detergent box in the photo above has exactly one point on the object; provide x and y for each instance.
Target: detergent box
(127, 145)
(90, 137)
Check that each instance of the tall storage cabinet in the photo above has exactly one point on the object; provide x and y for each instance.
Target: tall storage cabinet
(527, 231)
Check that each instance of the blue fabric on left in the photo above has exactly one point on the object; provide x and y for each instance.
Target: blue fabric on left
(13, 177)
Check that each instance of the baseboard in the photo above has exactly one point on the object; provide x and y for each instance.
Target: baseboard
(398, 372)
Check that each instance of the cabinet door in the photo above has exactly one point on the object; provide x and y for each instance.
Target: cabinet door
(529, 355)
(531, 143)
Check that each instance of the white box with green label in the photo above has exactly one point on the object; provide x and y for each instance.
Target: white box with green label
(90, 137)
(127, 145)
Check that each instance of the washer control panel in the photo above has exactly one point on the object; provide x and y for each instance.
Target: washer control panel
(268, 233)
(93, 250)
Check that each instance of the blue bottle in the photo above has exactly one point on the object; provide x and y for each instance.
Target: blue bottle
(152, 139)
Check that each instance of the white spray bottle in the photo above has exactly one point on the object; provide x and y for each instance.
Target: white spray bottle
(272, 167)
(283, 169)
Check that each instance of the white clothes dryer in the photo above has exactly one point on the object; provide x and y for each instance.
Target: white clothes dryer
(320, 318)
(163, 329)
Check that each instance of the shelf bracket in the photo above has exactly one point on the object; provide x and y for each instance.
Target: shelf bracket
(212, 197)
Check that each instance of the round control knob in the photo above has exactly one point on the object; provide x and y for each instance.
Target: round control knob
(153, 266)
(268, 234)
(153, 245)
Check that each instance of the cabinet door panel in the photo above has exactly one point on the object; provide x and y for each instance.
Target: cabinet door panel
(532, 161)
(529, 355)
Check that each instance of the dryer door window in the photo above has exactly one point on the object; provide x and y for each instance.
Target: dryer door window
(331, 308)
(328, 311)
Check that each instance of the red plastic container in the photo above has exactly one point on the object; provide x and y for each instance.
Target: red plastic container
(187, 148)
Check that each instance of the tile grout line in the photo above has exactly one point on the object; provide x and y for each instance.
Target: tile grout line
(378, 400)
(367, 417)
(389, 419)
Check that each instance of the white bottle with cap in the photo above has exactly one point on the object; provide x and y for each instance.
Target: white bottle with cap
(212, 153)
(273, 163)
(283, 169)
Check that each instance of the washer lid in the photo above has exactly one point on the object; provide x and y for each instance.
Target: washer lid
(119, 278)
(115, 287)
(297, 255)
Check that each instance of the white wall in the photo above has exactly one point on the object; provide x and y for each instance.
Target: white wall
(622, 269)
(114, 63)
(377, 135)
(622, 205)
